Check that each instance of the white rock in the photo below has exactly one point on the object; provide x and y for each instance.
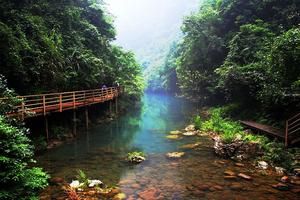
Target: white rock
(75, 184)
(94, 183)
(189, 133)
(262, 165)
(190, 128)
(175, 154)
(279, 170)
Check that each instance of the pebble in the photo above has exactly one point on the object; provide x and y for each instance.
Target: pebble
(230, 177)
(135, 186)
(149, 194)
(236, 186)
(244, 176)
(229, 173)
(218, 187)
(296, 190)
(284, 179)
(175, 132)
(281, 186)
(119, 196)
(175, 154)
(239, 164)
(172, 137)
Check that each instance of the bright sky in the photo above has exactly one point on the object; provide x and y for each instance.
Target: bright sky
(143, 20)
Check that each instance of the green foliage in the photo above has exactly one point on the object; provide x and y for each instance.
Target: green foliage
(228, 129)
(82, 177)
(197, 122)
(17, 179)
(276, 153)
(241, 51)
(62, 45)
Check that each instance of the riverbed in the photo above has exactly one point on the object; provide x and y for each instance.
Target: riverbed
(199, 174)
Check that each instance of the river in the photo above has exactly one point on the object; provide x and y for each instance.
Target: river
(199, 174)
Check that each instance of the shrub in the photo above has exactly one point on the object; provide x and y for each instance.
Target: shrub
(198, 122)
(17, 179)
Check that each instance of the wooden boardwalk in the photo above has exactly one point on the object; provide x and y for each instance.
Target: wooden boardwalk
(291, 134)
(44, 104)
(271, 131)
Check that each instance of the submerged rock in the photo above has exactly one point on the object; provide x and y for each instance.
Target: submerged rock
(119, 196)
(284, 179)
(281, 186)
(137, 159)
(190, 146)
(175, 154)
(172, 137)
(229, 173)
(244, 176)
(239, 164)
(149, 194)
(175, 132)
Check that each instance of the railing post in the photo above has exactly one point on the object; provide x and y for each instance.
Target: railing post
(23, 109)
(74, 100)
(44, 105)
(93, 93)
(60, 102)
(286, 133)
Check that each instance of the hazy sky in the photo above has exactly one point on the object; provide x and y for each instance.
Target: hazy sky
(140, 22)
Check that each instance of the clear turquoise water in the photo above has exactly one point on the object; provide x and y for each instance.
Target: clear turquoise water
(101, 152)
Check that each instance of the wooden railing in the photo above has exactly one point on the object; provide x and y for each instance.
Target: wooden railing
(43, 104)
(292, 128)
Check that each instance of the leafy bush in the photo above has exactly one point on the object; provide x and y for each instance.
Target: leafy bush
(17, 179)
(277, 153)
(198, 122)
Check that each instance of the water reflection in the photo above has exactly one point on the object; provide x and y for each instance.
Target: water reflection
(101, 152)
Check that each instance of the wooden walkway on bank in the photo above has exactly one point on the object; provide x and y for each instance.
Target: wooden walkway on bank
(271, 131)
(291, 134)
(44, 104)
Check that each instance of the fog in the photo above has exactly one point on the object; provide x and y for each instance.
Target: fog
(148, 24)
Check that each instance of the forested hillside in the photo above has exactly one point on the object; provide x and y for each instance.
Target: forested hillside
(51, 46)
(62, 45)
(244, 51)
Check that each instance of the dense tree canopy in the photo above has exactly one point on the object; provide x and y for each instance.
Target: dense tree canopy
(243, 50)
(61, 45)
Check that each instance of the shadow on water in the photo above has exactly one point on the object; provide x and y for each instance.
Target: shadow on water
(199, 174)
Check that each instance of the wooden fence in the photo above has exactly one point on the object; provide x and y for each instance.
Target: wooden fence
(43, 104)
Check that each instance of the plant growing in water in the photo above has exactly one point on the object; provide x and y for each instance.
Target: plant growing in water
(82, 177)
(136, 157)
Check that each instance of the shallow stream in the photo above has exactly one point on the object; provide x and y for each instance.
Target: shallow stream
(199, 174)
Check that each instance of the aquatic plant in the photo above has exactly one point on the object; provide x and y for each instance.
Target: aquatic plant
(136, 156)
(82, 177)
